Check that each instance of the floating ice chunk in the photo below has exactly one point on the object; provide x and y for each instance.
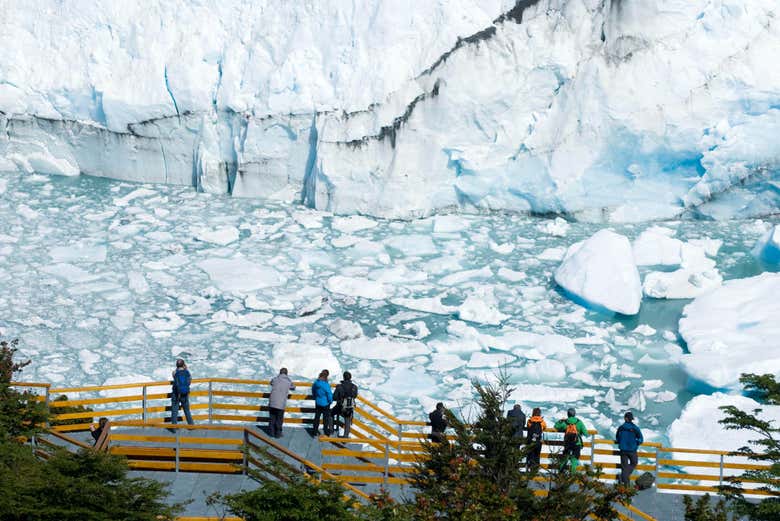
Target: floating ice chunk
(28, 213)
(552, 254)
(644, 330)
(352, 224)
(222, 235)
(88, 359)
(383, 348)
(502, 249)
(251, 319)
(304, 360)
(478, 309)
(601, 272)
(536, 393)
(419, 329)
(240, 275)
(3, 185)
(710, 246)
(355, 287)
(404, 382)
(70, 273)
(123, 319)
(767, 248)
(683, 283)
(442, 362)
(510, 275)
(557, 227)
(728, 331)
(698, 424)
(637, 401)
(480, 359)
(78, 252)
(167, 321)
(194, 305)
(309, 220)
(126, 379)
(654, 247)
(426, 304)
(449, 224)
(135, 194)
(547, 370)
(345, 329)
(397, 274)
(460, 277)
(412, 245)
(137, 282)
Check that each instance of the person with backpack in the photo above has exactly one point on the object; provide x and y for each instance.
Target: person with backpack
(344, 396)
(628, 438)
(323, 397)
(536, 427)
(517, 417)
(573, 430)
(180, 395)
(438, 418)
(281, 385)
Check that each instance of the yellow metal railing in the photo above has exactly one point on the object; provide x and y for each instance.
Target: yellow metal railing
(390, 444)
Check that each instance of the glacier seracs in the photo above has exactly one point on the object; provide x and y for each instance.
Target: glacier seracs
(602, 110)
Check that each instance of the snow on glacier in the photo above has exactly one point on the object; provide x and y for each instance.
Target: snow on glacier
(110, 304)
(602, 110)
(731, 330)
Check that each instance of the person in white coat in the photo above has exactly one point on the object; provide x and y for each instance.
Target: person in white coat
(281, 386)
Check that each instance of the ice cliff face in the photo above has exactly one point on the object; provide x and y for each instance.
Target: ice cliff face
(602, 109)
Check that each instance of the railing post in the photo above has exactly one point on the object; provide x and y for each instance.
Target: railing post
(143, 406)
(400, 431)
(657, 457)
(387, 461)
(246, 447)
(48, 409)
(720, 476)
(211, 400)
(178, 447)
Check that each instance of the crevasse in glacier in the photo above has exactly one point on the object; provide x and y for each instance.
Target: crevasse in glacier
(602, 109)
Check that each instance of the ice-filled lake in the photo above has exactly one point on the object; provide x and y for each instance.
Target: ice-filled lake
(105, 281)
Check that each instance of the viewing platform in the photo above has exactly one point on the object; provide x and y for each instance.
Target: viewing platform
(220, 453)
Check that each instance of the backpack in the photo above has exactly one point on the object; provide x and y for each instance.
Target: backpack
(181, 382)
(347, 402)
(534, 432)
(571, 437)
(645, 481)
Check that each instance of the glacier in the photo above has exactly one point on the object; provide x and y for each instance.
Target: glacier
(602, 110)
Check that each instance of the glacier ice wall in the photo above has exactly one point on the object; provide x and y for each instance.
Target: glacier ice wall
(601, 109)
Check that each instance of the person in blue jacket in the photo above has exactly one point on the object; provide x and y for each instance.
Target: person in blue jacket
(628, 438)
(323, 397)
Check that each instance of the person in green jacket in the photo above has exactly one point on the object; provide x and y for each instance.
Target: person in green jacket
(573, 430)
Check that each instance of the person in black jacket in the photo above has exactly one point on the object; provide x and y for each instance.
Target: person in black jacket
(344, 396)
(438, 423)
(97, 432)
(517, 417)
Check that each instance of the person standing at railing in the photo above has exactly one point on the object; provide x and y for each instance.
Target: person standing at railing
(180, 395)
(97, 432)
(536, 427)
(573, 430)
(629, 438)
(281, 385)
(323, 397)
(517, 417)
(344, 396)
(438, 418)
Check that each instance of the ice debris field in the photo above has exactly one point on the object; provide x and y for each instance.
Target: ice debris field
(107, 282)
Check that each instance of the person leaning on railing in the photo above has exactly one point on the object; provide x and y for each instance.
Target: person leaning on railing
(628, 438)
(180, 393)
(323, 397)
(96, 432)
(438, 418)
(281, 386)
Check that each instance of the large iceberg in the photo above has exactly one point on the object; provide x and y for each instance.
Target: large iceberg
(733, 330)
(608, 109)
(600, 272)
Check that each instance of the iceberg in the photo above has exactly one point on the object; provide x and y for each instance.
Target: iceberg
(767, 248)
(730, 331)
(601, 273)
